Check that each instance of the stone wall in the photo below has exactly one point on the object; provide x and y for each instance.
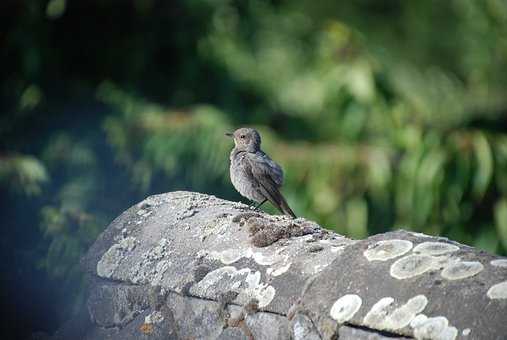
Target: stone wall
(185, 265)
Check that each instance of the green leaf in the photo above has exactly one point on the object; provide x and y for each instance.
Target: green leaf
(501, 220)
(484, 170)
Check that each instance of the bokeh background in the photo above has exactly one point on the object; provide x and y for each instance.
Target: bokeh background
(384, 114)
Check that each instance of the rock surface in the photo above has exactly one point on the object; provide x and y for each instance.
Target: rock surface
(185, 265)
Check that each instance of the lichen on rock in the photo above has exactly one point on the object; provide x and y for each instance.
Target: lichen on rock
(345, 307)
(462, 269)
(246, 282)
(387, 249)
(501, 263)
(435, 248)
(112, 257)
(436, 328)
(410, 266)
(208, 259)
(498, 291)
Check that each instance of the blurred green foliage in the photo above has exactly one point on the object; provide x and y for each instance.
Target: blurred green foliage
(384, 114)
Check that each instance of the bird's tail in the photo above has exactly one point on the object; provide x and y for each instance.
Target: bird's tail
(270, 190)
(285, 208)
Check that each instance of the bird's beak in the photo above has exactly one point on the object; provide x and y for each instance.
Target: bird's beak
(228, 134)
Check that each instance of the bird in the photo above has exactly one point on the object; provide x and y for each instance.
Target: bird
(253, 174)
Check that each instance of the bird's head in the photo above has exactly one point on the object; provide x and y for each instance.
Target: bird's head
(246, 139)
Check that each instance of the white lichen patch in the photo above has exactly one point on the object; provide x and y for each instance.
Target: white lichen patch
(216, 226)
(435, 328)
(229, 256)
(418, 320)
(387, 249)
(318, 268)
(337, 249)
(377, 314)
(255, 289)
(414, 233)
(461, 270)
(410, 266)
(279, 259)
(499, 263)
(345, 307)
(383, 315)
(154, 318)
(466, 332)
(246, 282)
(159, 272)
(128, 243)
(113, 256)
(314, 264)
(214, 277)
(159, 251)
(402, 316)
(186, 214)
(498, 291)
(443, 261)
(435, 248)
(266, 259)
(144, 213)
(153, 264)
(277, 271)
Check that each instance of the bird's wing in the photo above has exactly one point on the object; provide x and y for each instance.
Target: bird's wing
(268, 166)
(268, 176)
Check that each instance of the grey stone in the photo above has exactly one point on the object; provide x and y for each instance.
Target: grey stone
(411, 298)
(189, 266)
(115, 305)
(302, 328)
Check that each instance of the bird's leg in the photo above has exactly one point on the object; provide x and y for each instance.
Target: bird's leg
(259, 205)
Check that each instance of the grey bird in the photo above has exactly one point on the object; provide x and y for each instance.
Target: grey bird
(255, 175)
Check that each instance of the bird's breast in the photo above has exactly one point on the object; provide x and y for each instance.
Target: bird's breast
(242, 181)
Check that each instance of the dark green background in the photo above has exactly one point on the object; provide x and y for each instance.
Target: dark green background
(384, 114)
